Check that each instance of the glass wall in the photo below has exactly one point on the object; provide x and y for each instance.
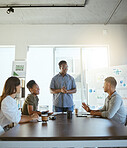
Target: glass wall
(40, 69)
(42, 65)
(94, 60)
(72, 56)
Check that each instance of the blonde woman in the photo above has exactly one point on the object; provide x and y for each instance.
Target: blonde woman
(9, 112)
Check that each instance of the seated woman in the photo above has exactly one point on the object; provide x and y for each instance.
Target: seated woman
(9, 112)
(30, 105)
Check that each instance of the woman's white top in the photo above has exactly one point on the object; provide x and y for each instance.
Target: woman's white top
(9, 112)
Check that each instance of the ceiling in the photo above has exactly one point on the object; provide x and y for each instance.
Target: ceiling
(94, 12)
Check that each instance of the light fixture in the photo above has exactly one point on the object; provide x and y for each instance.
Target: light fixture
(11, 7)
(10, 10)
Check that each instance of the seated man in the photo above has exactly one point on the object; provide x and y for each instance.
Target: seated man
(31, 103)
(113, 107)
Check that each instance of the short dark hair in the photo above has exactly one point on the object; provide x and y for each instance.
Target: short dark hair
(111, 80)
(62, 62)
(30, 84)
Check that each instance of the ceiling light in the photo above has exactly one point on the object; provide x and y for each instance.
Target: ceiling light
(10, 10)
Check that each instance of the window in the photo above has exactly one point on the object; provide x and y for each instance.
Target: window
(95, 57)
(7, 55)
(42, 65)
(40, 69)
(72, 56)
(95, 60)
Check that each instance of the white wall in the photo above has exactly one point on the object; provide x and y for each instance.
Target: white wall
(24, 35)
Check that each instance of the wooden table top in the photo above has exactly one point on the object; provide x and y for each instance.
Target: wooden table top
(77, 128)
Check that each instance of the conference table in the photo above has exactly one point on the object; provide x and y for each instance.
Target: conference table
(63, 132)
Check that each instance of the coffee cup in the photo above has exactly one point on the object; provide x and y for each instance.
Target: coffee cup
(69, 114)
(45, 118)
(76, 111)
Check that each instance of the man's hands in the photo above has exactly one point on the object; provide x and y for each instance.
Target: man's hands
(86, 107)
(92, 112)
(96, 113)
(64, 90)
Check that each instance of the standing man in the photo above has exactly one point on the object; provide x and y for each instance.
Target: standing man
(113, 107)
(62, 87)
